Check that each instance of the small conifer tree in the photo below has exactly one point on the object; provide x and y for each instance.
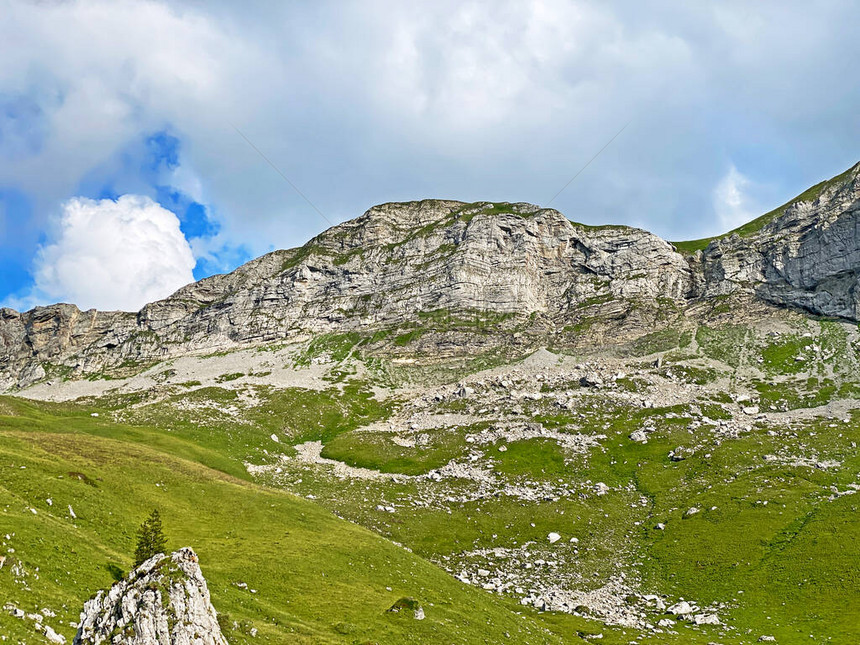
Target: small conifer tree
(150, 539)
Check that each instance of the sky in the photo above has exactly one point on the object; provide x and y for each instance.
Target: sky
(134, 136)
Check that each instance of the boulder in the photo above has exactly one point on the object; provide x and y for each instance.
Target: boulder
(165, 601)
(682, 608)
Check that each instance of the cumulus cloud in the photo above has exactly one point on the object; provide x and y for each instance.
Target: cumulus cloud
(732, 202)
(113, 255)
(379, 100)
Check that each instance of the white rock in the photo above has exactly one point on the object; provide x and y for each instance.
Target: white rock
(13, 610)
(53, 636)
(706, 619)
(143, 602)
(553, 537)
(655, 601)
(682, 608)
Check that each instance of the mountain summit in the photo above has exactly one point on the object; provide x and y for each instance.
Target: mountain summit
(525, 271)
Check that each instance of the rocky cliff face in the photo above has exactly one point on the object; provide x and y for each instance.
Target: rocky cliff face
(165, 601)
(404, 262)
(809, 257)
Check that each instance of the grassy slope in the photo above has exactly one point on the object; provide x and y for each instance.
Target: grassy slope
(795, 559)
(788, 575)
(318, 578)
(787, 568)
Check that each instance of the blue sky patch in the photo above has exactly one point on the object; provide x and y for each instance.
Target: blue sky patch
(162, 152)
(19, 240)
(223, 260)
(194, 220)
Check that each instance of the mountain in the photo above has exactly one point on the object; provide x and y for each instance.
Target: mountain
(527, 272)
(459, 423)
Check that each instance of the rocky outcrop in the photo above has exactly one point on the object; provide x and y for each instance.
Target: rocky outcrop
(32, 343)
(807, 257)
(164, 601)
(514, 265)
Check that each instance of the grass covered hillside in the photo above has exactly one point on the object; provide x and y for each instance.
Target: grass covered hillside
(697, 485)
(74, 488)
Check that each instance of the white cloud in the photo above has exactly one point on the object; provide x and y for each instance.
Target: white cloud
(362, 102)
(145, 65)
(113, 255)
(732, 203)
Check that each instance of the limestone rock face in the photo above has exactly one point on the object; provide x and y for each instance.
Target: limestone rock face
(808, 257)
(384, 268)
(405, 262)
(165, 601)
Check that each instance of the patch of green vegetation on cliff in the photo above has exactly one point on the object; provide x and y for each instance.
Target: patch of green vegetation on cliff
(411, 336)
(468, 211)
(55, 370)
(602, 227)
(342, 259)
(503, 208)
(299, 255)
(661, 340)
(464, 319)
(336, 346)
(443, 321)
(593, 301)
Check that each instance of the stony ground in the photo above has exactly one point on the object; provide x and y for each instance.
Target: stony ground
(515, 444)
